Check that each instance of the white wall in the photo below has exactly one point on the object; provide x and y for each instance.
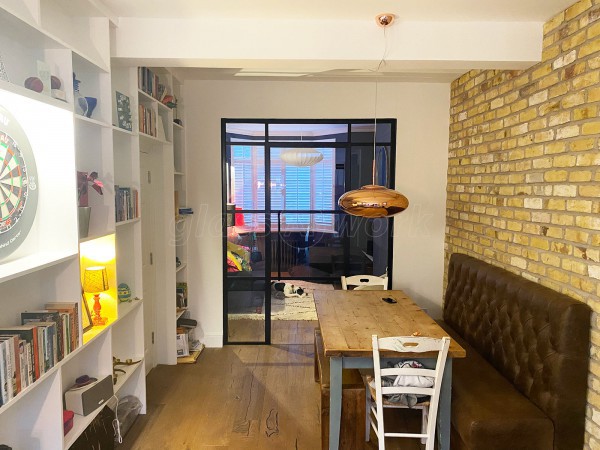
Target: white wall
(422, 111)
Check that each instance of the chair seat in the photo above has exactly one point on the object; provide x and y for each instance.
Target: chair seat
(386, 403)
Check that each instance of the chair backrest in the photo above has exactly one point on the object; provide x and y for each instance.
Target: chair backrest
(365, 282)
(413, 345)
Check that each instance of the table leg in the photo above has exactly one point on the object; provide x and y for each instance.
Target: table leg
(444, 412)
(335, 402)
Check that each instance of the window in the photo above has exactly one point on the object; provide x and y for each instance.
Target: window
(292, 188)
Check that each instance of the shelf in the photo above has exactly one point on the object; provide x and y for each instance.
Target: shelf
(181, 267)
(23, 91)
(154, 139)
(80, 423)
(178, 174)
(124, 131)
(127, 222)
(180, 312)
(92, 334)
(123, 377)
(96, 236)
(125, 308)
(33, 263)
(90, 121)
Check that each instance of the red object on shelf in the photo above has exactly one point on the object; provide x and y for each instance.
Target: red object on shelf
(239, 218)
(67, 421)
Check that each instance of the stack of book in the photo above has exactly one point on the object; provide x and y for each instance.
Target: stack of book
(147, 118)
(149, 82)
(126, 203)
(29, 350)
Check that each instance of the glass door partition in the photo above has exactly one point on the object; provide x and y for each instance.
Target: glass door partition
(281, 221)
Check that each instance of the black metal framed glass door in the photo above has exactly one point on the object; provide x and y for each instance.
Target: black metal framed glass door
(281, 220)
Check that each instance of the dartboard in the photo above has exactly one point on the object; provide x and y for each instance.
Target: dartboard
(18, 184)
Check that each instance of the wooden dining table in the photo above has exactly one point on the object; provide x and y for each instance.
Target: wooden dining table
(348, 319)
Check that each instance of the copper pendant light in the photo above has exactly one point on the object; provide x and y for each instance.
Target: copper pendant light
(374, 201)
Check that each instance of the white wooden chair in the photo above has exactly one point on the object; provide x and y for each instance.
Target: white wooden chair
(365, 282)
(375, 395)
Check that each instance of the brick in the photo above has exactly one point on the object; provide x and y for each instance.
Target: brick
(538, 98)
(588, 222)
(577, 9)
(550, 259)
(591, 128)
(588, 159)
(576, 236)
(564, 190)
(567, 132)
(589, 47)
(586, 112)
(575, 99)
(554, 176)
(589, 191)
(582, 144)
(585, 80)
(580, 176)
(564, 161)
(584, 206)
(556, 204)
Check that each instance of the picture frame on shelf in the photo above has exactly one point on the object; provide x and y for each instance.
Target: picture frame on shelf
(123, 111)
(86, 317)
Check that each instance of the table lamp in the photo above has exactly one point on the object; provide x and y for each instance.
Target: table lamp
(95, 281)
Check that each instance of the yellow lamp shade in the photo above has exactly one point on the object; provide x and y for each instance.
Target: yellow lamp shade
(373, 201)
(95, 279)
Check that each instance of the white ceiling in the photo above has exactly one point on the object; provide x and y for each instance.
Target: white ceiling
(415, 10)
(431, 40)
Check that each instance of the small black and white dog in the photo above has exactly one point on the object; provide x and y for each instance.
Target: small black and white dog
(282, 290)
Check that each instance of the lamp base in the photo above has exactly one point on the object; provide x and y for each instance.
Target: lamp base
(97, 319)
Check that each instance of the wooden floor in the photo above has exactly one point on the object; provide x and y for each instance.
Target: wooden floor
(238, 397)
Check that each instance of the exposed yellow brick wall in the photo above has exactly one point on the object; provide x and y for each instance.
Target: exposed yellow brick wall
(523, 170)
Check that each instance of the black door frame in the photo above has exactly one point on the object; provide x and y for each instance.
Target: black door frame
(267, 144)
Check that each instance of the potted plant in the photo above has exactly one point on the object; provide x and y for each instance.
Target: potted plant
(85, 179)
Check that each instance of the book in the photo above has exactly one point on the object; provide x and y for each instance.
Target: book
(4, 398)
(72, 309)
(123, 111)
(47, 338)
(14, 372)
(46, 315)
(29, 334)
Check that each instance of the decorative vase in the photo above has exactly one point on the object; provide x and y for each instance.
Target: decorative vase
(91, 104)
(84, 220)
(81, 106)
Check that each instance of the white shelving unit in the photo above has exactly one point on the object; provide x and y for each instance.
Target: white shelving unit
(165, 153)
(71, 37)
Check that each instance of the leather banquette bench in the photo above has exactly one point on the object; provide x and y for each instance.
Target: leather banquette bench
(523, 383)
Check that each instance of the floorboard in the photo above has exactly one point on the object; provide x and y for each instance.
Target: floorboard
(247, 397)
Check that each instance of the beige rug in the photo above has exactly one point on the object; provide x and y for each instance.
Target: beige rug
(289, 308)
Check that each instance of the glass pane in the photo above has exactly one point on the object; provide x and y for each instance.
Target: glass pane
(363, 132)
(236, 132)
(367, 246)
(303, 187)
(245, 278)
(245, 309)
(309, 132)
(245, 182)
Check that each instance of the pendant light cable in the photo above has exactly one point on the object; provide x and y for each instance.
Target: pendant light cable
(374, 201)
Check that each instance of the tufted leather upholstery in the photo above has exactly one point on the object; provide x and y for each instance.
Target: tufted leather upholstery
(536, 338)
